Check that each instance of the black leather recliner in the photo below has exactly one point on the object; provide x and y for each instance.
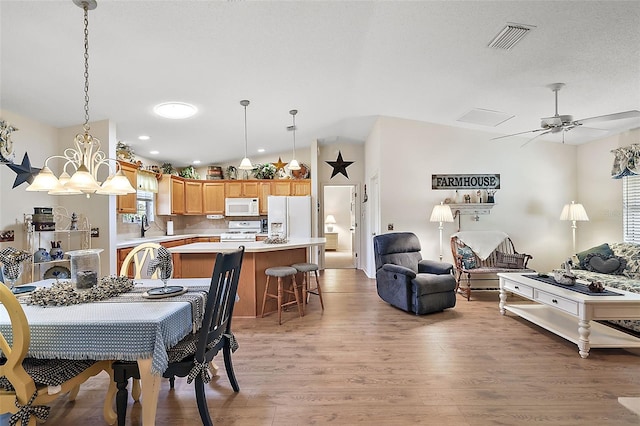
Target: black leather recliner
(408, 282)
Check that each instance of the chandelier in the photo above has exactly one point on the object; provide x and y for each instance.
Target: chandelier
(86, 158)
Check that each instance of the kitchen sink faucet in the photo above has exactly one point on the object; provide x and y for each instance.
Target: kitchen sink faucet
(144, 225)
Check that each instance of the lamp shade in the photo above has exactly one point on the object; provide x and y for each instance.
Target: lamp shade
(330, 220)
(574, 211)
(441, 213)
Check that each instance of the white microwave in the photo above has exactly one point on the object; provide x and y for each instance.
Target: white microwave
(241, 207)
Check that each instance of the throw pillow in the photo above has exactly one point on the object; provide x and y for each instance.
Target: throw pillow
(603, 249)
(468, 257)
(509, 260)
(596, 262)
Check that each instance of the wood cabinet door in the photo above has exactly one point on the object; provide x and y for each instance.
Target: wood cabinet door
(128, 203)
(300, 187)
(233, 189)
(281, 188)
(250, 189)
(192, 197)
(177, 196)
(213, 197)
(264, 190)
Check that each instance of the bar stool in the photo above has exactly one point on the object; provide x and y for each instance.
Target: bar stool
(306, 269)
(281, 272)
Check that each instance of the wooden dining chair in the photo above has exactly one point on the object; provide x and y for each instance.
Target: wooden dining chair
(140, 256)
(26, 384)
(192, 356)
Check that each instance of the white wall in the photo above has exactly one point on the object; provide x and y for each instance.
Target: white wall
(337, 201)
(536, 181)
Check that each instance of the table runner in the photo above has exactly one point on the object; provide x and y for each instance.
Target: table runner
(577, 287)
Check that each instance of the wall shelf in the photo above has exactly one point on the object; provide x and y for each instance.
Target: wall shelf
(472, 208)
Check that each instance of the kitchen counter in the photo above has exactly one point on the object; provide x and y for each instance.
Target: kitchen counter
(196, 260)
(132, 242)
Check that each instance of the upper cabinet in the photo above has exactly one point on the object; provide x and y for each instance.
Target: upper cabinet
(213, 197)
(300, 187)
(171, 195)
(192, 196)
(241, 189)
(127, 203)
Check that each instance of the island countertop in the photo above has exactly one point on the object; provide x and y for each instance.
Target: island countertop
(249, 246)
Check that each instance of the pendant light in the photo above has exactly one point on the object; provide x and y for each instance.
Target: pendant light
(245, 164)
(293, 164)
(86, 158)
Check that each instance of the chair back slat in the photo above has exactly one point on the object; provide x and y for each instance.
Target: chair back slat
(220, 302)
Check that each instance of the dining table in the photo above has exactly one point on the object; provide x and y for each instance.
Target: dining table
(126, 327)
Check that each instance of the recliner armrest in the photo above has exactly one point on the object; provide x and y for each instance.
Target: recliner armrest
(389, 267)
(434, 267)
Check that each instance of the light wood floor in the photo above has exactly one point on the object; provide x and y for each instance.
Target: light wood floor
(362, 361)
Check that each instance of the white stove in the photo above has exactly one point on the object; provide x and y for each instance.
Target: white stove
(241, 230)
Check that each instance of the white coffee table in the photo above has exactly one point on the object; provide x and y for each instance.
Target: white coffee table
(570, 314)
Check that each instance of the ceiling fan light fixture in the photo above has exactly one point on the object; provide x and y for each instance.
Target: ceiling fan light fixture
(510, 35)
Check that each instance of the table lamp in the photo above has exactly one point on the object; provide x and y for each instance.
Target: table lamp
(330, 221)
(574, 212)
(441, 213)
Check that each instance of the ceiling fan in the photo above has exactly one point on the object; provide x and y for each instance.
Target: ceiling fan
(563, 123)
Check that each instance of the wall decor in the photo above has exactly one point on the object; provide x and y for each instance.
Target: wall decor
(24, 171)
(466, 181)
(280, 164)
(6, 145)
(339, 166)
(7, 235)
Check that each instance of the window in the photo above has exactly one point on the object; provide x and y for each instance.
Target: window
(631, 208)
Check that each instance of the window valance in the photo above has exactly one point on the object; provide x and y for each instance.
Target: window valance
(147, 181)
(626, 161)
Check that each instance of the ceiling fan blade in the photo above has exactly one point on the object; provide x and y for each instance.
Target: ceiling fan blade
(535, 137)
(609, 117)
(516, 134)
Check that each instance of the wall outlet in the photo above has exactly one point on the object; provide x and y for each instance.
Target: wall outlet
(390, 227)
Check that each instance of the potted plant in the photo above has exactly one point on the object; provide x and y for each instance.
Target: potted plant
(264, 171)
(189, 172)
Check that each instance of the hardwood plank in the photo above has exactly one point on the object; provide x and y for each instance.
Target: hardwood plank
(363, 361)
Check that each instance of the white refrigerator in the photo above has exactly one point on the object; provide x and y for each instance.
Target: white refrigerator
(289, 217)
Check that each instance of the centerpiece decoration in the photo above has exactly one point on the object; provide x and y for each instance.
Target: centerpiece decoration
(163, 265)
(63, 293)
(264, 171)
(12, 266)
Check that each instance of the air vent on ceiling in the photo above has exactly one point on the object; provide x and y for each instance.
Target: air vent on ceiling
(485, 117)
(510, 35)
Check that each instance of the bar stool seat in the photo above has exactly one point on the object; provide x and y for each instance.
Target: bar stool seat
(281, 272)
(306, 269)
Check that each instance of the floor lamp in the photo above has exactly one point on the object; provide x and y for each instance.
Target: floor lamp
(574, 212)
(441, 213)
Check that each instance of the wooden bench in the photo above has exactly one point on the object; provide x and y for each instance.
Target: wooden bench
(504, 258)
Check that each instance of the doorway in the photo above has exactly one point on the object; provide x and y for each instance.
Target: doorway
(340, 226)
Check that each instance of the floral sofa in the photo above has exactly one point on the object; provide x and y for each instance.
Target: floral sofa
(625, 277)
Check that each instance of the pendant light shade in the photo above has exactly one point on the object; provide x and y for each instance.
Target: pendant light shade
(245, 164)
(86, 158)
(293, 164)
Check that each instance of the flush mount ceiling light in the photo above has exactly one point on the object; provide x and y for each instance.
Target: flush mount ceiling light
(87, 158)
(245, 164)
(144, 137)
(175, 110)
(293, 164)
(510, 35)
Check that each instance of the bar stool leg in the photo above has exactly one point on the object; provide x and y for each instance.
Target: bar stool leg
(264, 298)
(295, 293)
(319, 290)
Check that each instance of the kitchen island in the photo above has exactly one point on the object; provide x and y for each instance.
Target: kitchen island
(196, 260)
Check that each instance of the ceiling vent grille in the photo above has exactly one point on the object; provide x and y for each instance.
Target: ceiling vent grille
(510, 35)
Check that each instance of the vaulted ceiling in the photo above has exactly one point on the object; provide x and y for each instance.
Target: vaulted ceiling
(341, 64)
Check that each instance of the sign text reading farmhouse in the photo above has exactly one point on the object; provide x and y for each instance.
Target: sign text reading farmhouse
(491, 181)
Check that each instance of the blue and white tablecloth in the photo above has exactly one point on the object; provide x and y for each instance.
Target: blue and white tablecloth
(109, 331)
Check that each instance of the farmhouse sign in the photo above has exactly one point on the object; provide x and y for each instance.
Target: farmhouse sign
(472, 181)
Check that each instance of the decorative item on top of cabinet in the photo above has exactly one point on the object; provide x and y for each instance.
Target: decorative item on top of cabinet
(127, 203)
(170, 195)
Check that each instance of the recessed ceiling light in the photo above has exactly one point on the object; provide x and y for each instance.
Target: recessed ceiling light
(175, 110)
(196, 161)
(154, 152)
(144, 137)
(260, 149)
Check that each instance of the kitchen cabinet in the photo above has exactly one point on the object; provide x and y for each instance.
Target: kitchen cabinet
(240, 189)
(192, 197)
(264, 190)
(171, 195)
(127, 203)
(282, 188)
(213, 197)
(300, 187)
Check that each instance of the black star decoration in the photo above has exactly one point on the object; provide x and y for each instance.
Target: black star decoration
(24, 171)
(339, 166)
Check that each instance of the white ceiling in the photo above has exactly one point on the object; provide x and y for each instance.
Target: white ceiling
(341, 64)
